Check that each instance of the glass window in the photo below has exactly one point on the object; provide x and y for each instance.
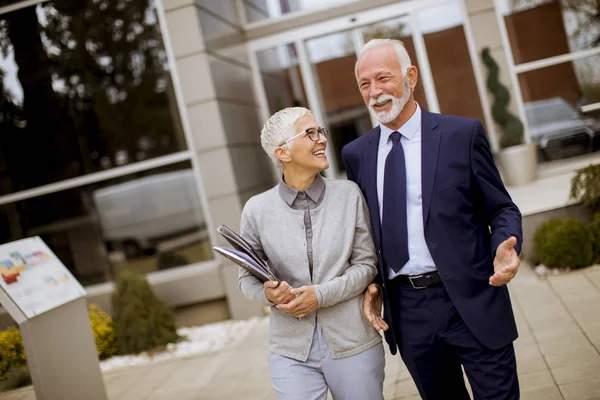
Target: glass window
(333, 59)
(259, 10)
(147, 221)
(84, 87)
(553, 98)
(281, 77)
(455, 83)
(539, 29)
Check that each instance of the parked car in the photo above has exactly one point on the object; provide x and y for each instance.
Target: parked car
(136, 215)
(559, 130)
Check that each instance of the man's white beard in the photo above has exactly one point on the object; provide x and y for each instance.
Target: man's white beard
(386, 117)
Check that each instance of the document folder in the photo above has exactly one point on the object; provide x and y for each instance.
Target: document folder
(244, 255)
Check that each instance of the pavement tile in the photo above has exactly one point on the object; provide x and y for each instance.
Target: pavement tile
(582, 390)
(406, 388)
(536, 380)
(577, 371)
(594, 276)
(547, 393)
(529, 365)
(588, 319)
(595, 338)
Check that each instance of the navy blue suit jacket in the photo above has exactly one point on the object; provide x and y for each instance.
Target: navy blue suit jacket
(467, 213)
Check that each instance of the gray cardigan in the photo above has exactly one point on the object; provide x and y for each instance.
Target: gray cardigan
(345, 263)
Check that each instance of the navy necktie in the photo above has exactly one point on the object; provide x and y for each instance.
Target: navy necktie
(394, 231)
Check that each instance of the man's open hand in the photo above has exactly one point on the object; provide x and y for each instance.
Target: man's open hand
(506, 262)
(372, 307)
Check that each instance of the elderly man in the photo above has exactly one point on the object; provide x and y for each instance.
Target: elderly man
(447, 235)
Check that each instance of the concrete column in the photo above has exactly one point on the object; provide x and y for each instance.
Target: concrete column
(215, 77)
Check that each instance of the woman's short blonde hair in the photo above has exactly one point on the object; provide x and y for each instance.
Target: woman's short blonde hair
(280, 127)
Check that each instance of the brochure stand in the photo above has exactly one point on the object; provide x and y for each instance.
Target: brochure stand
(49, 305)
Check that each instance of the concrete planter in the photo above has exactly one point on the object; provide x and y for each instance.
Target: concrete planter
(518, 164)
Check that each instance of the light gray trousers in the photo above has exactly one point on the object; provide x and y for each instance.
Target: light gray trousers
(358, 377)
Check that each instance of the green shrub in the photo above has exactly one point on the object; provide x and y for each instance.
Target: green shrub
(596, 232)
(585, 186)
(15, 378)
(142, 320)
(564, 242)
(12, 352)
(512, 127)
(103, 328)
(171, 260)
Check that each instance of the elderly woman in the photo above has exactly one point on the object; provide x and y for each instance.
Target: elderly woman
(316, 235)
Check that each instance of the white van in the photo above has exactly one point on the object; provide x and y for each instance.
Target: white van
(136, 215)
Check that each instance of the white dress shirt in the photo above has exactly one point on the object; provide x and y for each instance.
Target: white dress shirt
(420, 260)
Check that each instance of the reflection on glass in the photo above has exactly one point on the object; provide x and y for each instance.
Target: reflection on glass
(455, 83)
(553, 98)
(400, 29)
(333, 60)
(84, 87)
(258, 10)
(4, 3)
(147, 221)
(281, 77)
(540, 29)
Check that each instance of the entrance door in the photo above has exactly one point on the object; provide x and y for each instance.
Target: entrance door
(314, 67)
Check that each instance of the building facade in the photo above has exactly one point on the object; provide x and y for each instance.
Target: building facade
(130, 129)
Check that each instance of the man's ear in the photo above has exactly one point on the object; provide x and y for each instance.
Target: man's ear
(283, 154)
(413, 75)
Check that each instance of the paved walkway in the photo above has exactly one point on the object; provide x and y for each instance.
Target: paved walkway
(558, 353)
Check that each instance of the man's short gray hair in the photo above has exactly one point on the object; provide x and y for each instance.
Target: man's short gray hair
(280, 127)
(397, 45)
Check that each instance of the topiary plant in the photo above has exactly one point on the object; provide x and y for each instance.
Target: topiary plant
(585, 186)
(103, 329)
(142, 320)
(564, 242)
(512, 127)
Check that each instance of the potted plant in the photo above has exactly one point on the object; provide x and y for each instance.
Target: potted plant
(518, 160)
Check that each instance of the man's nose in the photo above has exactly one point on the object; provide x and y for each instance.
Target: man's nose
(375, 91)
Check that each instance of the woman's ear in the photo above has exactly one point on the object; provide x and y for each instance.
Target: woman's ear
(283, 154)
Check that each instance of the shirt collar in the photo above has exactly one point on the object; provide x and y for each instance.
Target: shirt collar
(314, 191)
(408, 130)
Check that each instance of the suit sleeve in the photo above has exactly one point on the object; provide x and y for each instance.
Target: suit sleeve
(349, 172)
(501, 213)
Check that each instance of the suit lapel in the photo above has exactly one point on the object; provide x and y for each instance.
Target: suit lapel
(430, 148)
(370, 179)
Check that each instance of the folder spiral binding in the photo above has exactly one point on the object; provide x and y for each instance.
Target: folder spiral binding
(244, 255)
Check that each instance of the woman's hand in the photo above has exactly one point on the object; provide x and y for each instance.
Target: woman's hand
(278, 293)
(305, 302)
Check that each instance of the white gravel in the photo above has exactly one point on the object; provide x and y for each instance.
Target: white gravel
(199, 340)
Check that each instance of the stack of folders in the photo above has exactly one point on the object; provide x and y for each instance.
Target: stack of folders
(244, 255)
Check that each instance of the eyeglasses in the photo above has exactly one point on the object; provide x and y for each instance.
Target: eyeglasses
(312, 133)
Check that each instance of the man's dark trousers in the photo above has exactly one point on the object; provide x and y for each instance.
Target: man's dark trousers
(434, 341)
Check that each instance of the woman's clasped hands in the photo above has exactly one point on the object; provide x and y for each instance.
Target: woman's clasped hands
(298, 302)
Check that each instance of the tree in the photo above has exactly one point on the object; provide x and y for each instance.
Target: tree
(96, 93)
